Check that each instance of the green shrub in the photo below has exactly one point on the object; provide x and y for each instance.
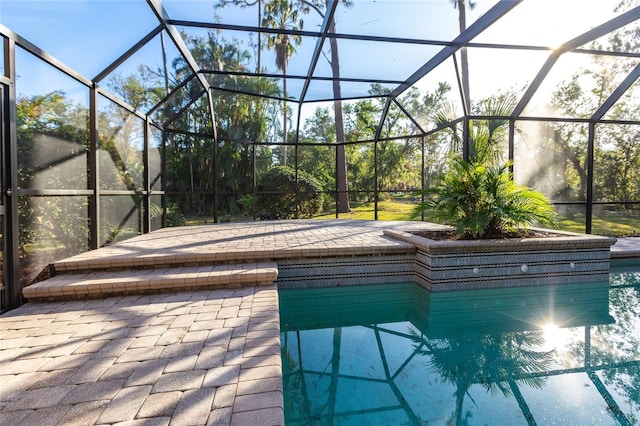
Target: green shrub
(481, 201)
(279, 196)
(246, 203)
(175, 216)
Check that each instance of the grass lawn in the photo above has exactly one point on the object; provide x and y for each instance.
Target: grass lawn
(387, 210)
(402, 210)
(394, 210)
(608, 225)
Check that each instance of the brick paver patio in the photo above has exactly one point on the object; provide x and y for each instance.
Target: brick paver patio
(207, 357)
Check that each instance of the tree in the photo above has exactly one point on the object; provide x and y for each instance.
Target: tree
(285, 194)
(240, 119)
(282, 15)
(580, 97)
(399, 161)
(487, 138)
(617, 166)
(245, 4)
(461, 5)
(320, 6)
(478, 197)
(52, 154)
(315, 156)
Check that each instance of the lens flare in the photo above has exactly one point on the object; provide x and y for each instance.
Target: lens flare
(554, 336)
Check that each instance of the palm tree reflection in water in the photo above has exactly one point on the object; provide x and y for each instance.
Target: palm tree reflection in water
(492, 361)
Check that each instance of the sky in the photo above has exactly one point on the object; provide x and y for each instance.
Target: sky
(89, 34)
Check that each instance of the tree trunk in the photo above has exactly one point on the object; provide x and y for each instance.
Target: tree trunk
(461, 390)
(259, 35)
(341, 159)
(464, 62)
(284, 118)
(335, 373)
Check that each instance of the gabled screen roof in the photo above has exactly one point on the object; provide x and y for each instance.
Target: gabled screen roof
(396, 45)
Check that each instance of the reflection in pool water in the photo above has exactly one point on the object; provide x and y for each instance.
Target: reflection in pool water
(396, 354)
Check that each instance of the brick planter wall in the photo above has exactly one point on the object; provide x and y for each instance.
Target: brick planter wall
(468, 264)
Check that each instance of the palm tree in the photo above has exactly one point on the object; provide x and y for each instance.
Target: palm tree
(282, 15)
(486, 138)
(481, 201)
(304, 7)
(464, 62)
(493, 361)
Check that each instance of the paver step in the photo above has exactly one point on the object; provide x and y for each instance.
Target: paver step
(109, 283)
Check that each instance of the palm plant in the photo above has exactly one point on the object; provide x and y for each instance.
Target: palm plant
(479, 197)
(482, 201)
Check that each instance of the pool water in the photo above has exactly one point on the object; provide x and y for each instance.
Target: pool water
(398, 355)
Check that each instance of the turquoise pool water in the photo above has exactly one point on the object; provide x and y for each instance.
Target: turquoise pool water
(398, 355)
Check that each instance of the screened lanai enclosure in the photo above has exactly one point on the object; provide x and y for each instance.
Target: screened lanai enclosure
(121, 117)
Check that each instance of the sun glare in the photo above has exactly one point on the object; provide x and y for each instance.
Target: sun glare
(554, 336)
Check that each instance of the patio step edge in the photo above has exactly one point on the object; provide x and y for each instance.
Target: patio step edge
(99, 284)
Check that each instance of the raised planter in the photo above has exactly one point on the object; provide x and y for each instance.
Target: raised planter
(562, 258)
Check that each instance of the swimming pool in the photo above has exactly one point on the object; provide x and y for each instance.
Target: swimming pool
(396, 354)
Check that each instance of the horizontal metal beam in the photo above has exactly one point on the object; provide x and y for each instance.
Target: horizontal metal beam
(56, 192)
(372, 38)
(298, 77)
(245, 93)
(304, 33)
(346, 98)
(104, 192)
